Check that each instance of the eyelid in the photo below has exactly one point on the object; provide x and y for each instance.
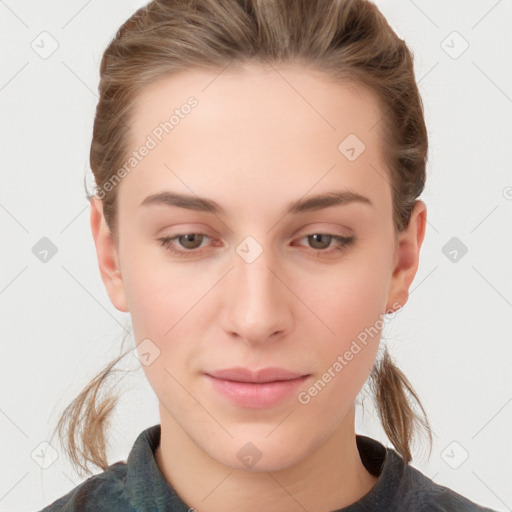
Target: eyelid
(326, 228)
(341, 243)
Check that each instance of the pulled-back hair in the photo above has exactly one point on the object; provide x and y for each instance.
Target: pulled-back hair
(350, 41)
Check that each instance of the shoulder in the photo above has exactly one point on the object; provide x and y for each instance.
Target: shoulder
(421, 494)
(434, 497)
(130, 486)
(402, 487)
(102, 492)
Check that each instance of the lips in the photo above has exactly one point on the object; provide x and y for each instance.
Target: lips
(255, 376)
(257, 389)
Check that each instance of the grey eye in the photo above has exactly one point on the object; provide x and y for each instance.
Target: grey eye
(190, 240)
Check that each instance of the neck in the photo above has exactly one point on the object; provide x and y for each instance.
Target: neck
(330, 478)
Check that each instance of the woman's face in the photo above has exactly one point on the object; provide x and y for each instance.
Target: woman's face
(261, 282)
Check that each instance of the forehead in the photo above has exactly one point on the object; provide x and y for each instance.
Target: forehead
(259, 93)
(260, 130)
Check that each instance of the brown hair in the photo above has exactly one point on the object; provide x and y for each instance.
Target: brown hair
(349, 40)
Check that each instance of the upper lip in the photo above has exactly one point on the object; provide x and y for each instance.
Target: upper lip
(257, 376)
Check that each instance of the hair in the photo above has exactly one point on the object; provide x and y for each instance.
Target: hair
(348, 40)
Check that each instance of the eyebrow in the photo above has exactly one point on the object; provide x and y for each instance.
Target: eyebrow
(310, 203)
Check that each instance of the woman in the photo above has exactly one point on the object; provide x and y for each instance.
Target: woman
(258, 166)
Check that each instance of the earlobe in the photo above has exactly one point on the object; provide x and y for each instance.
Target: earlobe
(107, 254)
(408, 254)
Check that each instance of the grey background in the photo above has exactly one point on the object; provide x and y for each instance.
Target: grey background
(59, 328)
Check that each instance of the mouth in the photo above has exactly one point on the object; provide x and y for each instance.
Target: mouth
(258, 389)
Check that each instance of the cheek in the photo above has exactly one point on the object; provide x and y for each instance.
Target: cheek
(167, 306)
(351, 307)
(161, 298)
(346, 352)
(349, 300)
(159, 292)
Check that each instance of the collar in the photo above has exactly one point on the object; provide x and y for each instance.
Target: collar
(147, 489)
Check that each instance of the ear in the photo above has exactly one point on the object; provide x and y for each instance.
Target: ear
(407, 258)
(108, 258)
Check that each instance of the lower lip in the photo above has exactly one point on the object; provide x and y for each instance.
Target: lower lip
(258, 396)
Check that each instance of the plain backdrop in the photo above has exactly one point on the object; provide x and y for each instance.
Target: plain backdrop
(452, 339)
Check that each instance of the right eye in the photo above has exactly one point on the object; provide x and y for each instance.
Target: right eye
(188, 240)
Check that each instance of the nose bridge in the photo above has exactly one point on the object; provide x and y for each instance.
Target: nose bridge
(256, 304)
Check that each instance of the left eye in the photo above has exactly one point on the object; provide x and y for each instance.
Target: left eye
(317, 239)
(192, 241)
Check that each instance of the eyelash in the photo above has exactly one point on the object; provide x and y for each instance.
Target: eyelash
(344, 242)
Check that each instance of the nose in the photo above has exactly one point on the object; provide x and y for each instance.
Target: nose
(257, 305)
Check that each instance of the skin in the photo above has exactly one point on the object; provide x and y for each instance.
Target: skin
(254, 144)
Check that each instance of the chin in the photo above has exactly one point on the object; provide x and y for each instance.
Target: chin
(258, 453)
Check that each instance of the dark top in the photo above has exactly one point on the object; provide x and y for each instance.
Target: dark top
(138, 485)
